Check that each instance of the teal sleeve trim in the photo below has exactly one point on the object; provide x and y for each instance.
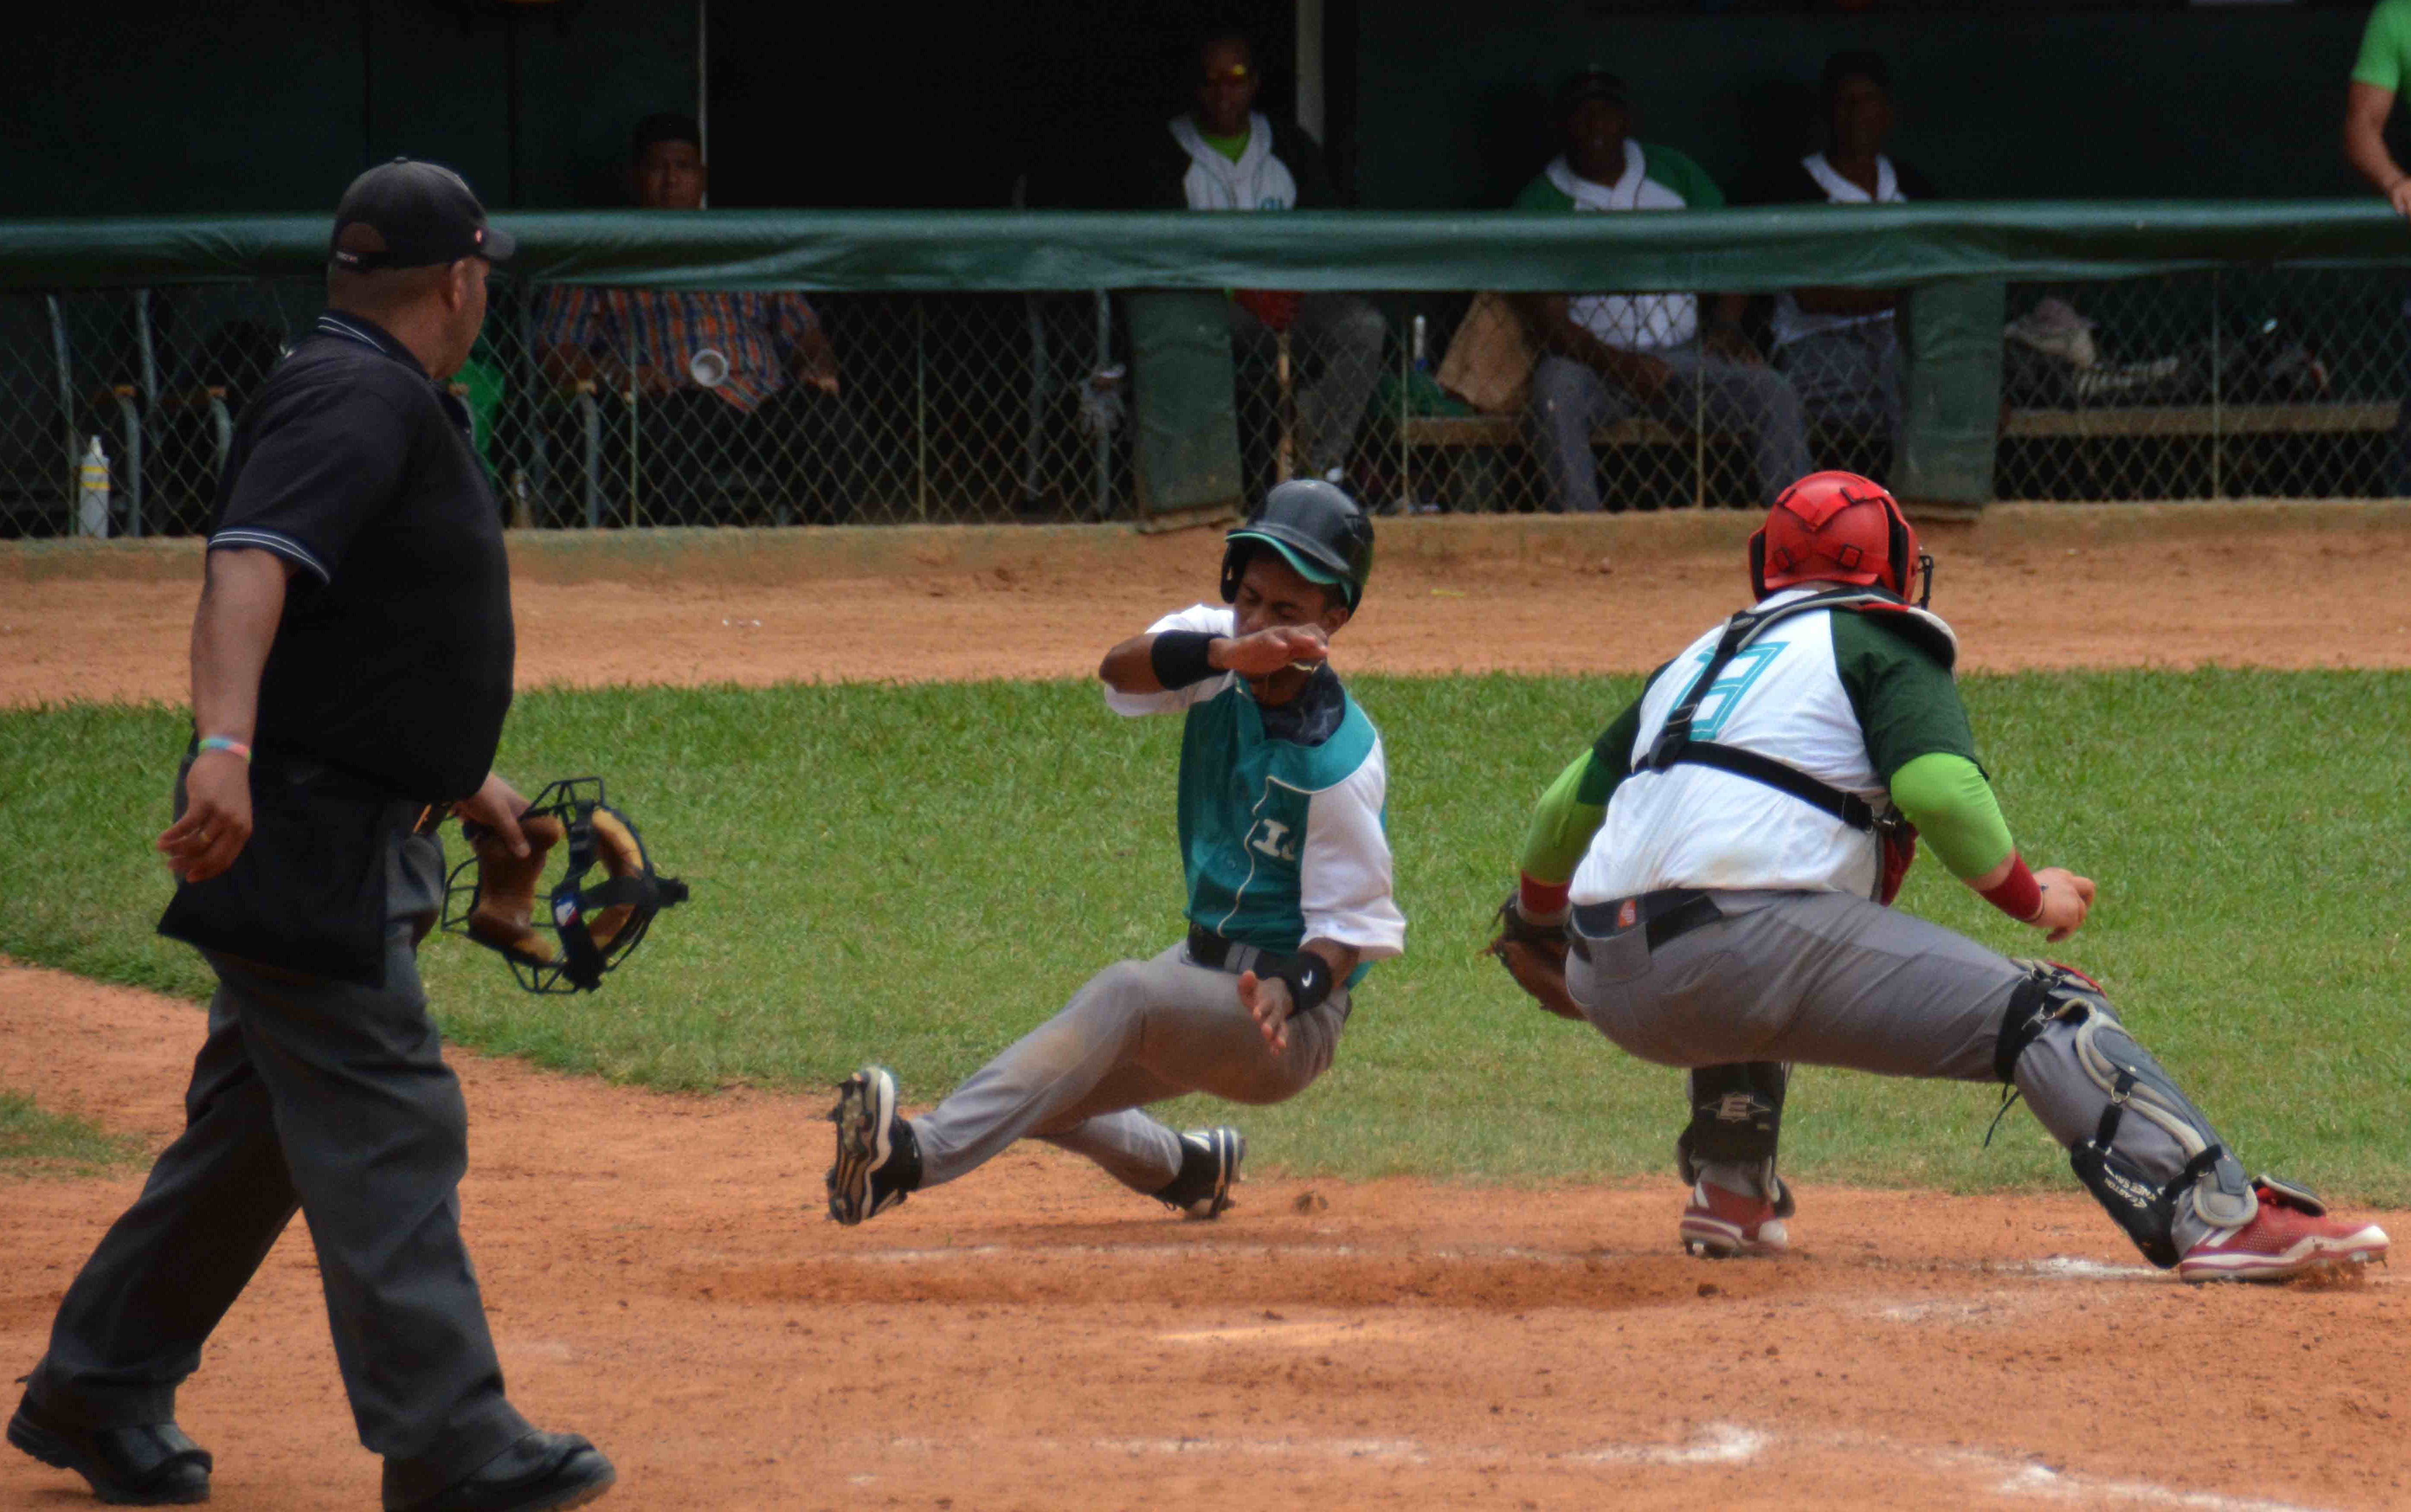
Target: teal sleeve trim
(1571, 812)
(1955, 813)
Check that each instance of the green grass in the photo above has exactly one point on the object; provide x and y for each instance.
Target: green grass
(917, 874)
(36, 1143)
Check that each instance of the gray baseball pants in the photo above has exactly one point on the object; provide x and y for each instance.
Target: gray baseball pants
(1705, 392)
(1342, 336)
(1138, 1033)
(1826, 979)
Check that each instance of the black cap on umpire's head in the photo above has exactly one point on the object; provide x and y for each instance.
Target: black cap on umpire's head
(410, 214)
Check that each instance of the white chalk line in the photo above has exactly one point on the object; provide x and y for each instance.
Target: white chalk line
(1713, 1445)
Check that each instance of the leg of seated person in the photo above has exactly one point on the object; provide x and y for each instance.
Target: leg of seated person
(1343, 334)
(809, 445)
(1568, 401)
(1721, 394)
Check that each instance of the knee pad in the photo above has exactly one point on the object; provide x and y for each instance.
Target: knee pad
(2055, 997)
(1737, 1117)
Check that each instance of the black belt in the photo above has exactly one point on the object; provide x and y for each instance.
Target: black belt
(1217, 952)
(1666, 914)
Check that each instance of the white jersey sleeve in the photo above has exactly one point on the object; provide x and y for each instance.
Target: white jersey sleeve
(1344, 880)
(1214, 619)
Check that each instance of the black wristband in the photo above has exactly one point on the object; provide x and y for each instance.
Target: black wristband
(1308, 976)
(1179, 657)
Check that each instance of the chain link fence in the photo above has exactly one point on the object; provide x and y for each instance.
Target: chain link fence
(638, 407)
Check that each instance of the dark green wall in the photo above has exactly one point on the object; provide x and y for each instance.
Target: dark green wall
(258, 105)
(2176, 104)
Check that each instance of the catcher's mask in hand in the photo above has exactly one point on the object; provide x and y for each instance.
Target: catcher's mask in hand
(582, 932)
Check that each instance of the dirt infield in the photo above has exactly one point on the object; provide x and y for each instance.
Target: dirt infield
(661, 1279)
(2030, 587)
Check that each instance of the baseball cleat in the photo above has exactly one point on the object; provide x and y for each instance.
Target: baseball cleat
(1209, 1164)
(2281, 1241)
(1719, 1225)
(877, 1164)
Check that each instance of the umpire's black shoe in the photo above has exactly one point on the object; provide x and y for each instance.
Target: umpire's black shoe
(153, 1465)
(538, 1474)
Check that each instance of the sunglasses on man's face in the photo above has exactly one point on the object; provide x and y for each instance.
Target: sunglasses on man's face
(1235, 74)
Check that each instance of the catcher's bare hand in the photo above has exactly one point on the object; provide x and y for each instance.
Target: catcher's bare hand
(1267, 1000)
(216, 822)
(2067, 898)
(496, 805)
(1267, 651)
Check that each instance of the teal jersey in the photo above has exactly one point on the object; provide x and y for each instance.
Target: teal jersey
(1282, 837)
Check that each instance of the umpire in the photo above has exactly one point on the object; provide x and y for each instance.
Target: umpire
(351, 668)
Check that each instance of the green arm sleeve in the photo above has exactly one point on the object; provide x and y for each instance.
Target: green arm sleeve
(1572, 811)
(1955, 813)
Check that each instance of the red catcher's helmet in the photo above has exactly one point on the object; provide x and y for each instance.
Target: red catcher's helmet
(1837, 528)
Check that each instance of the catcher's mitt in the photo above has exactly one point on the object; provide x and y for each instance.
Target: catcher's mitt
(1535, 955)
(584, 931)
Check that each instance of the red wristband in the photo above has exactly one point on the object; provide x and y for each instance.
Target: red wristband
(2019, 896)
(1543, 900)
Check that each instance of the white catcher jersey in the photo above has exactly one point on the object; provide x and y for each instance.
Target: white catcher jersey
(1696, 826)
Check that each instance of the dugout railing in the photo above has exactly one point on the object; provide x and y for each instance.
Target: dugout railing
(1048, 367)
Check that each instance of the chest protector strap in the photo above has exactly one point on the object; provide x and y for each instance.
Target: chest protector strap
(1676, 745)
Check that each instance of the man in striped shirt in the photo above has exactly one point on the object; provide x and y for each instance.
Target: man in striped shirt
(728, 387)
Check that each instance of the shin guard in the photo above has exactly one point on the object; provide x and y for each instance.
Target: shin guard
(2055, 1000)
(1737, 1117)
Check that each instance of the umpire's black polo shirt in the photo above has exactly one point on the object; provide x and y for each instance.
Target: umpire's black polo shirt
(393, 659)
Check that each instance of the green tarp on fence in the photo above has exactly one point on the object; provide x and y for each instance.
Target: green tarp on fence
(964, 250)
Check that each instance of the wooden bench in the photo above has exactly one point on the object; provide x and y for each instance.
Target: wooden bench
(2202, 420)
(1507, 431)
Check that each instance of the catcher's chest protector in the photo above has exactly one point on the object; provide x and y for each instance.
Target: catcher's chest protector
(1761, 699)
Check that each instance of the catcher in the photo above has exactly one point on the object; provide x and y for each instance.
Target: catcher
(1706, 886)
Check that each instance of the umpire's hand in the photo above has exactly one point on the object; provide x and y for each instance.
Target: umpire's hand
(216, 823)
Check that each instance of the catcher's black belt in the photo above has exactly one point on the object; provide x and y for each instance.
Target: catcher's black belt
(1666, 914)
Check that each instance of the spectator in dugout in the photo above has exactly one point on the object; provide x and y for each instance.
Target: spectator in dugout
(1223, 154)
(1608, 355)
(1838, 346)
(733, 390)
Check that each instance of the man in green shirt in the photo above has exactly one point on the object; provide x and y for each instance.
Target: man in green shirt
(1608, 355)
(2369, 101)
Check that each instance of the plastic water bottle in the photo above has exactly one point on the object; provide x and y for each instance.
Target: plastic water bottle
(91, 490)
(1422, 353)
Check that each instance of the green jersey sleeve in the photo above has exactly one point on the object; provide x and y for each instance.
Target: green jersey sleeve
(1678, 172)
(2385, 45)
(1572, 811)
(1541, 194)
(1904, 698)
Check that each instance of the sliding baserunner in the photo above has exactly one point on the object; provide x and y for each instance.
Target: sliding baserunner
(1722, 856)
(1281, 795)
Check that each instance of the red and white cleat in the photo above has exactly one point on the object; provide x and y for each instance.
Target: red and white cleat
(1719, 1225)
(2283, 1239)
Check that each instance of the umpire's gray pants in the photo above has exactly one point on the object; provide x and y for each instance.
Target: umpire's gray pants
(333, 1099)
(1826, 979)
(1139, 1032)
(1705, 392)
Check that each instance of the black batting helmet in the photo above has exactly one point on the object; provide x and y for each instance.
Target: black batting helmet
(1316, 528)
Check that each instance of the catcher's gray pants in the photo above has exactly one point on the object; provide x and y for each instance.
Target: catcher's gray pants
(1339, 336)
(333, 1099)
(1139, 1032)
(1826, 979)
(1570, 400)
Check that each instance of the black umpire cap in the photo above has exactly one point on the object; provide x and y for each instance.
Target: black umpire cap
(412, 215)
